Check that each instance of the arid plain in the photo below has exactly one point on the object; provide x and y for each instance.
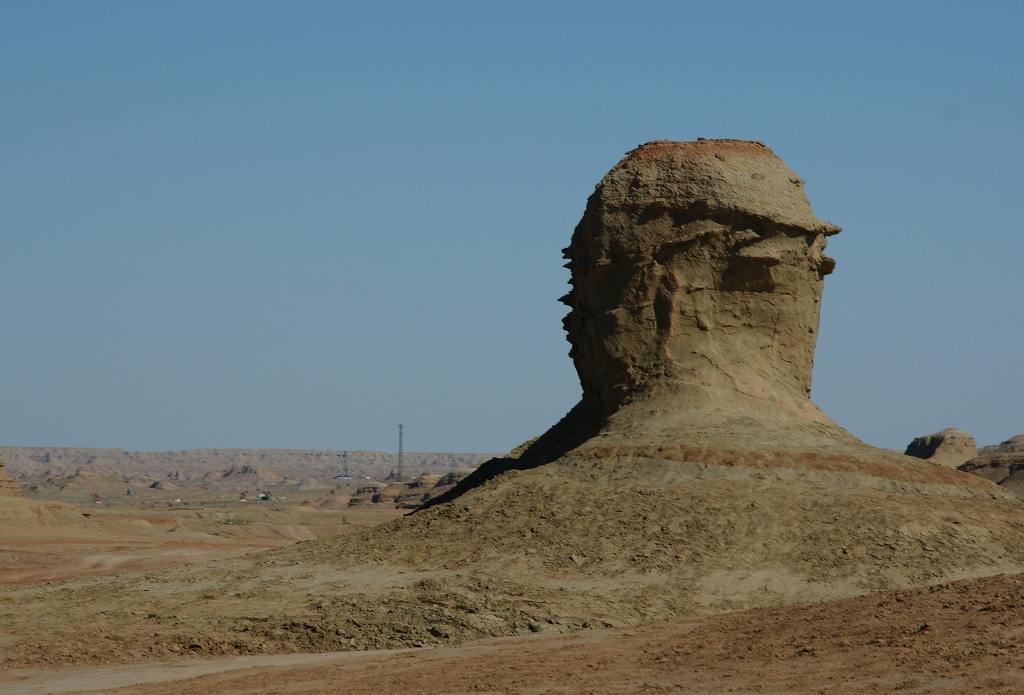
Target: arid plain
(951, 638)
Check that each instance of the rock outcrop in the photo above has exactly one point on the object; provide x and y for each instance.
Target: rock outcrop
(1003, 464)
(8, 485)
(367, 494)
(950, 447)
(697, 274)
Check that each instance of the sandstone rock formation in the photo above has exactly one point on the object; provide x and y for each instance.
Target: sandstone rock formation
(950, 447)
(1003, 464)
(697, 274)
(8, 485)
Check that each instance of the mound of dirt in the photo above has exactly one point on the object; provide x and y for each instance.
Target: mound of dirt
(950, 447)
(22, 518)
(84, 484)
(336, 499)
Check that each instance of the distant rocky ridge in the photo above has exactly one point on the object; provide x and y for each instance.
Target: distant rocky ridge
(1003, 464)
(205, 466)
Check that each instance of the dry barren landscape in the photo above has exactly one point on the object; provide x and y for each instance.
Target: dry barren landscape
(695, 524)
(956, 638)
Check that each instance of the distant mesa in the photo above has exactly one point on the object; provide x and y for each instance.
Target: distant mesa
(1003, 463)
(951, 447)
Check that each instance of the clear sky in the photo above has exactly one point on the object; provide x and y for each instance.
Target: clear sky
(253, 224)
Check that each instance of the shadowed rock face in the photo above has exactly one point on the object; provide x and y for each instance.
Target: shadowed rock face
(696, 270)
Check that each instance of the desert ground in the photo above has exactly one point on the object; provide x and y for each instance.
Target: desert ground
(954, 638)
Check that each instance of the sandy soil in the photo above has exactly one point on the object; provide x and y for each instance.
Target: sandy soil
(104, 605)
(110, 541)
(959, 638)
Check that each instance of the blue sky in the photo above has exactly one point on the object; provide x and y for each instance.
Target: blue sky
(246, 224)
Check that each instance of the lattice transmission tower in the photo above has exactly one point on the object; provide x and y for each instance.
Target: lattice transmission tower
(401, 463)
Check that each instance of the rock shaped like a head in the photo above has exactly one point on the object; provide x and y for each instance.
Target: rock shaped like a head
(696, 271)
